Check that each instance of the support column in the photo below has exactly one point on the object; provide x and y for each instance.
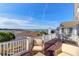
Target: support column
(60, 32)
(74, 34)
(66, 31)
(49, 33)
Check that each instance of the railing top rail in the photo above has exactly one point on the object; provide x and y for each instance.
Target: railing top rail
(11, 41)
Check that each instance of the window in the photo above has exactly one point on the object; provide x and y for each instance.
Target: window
(70, 31)
(62, 30)
(78, 29)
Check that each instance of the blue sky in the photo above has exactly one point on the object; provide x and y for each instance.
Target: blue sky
(34, 15)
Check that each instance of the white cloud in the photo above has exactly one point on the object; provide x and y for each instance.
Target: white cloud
(26, 23)
(16, 23)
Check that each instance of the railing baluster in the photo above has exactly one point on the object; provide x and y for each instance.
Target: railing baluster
(4, 49)
(21, 45)
(25, 44)
(13, 47)
(0, 49)
(18, 46)
(7, 48)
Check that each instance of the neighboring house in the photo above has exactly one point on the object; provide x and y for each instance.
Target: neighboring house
(71, 28)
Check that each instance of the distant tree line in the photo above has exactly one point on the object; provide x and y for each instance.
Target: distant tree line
(6, 36)
(41, 33)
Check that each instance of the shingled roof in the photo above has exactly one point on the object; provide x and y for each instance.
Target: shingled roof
(27, 33)
(70, 24)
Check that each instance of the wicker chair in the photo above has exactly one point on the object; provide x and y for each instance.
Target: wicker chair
(38, 46)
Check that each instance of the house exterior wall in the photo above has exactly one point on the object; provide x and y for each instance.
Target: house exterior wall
(76, 11)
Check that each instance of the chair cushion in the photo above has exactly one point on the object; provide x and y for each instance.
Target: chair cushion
(37, 48)
(38, 42)
(63, 54)
(39, 54)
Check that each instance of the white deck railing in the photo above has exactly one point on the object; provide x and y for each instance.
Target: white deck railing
(16, 47)
(49, 37)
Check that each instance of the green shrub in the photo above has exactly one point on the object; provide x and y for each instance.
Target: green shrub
(6, 36)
